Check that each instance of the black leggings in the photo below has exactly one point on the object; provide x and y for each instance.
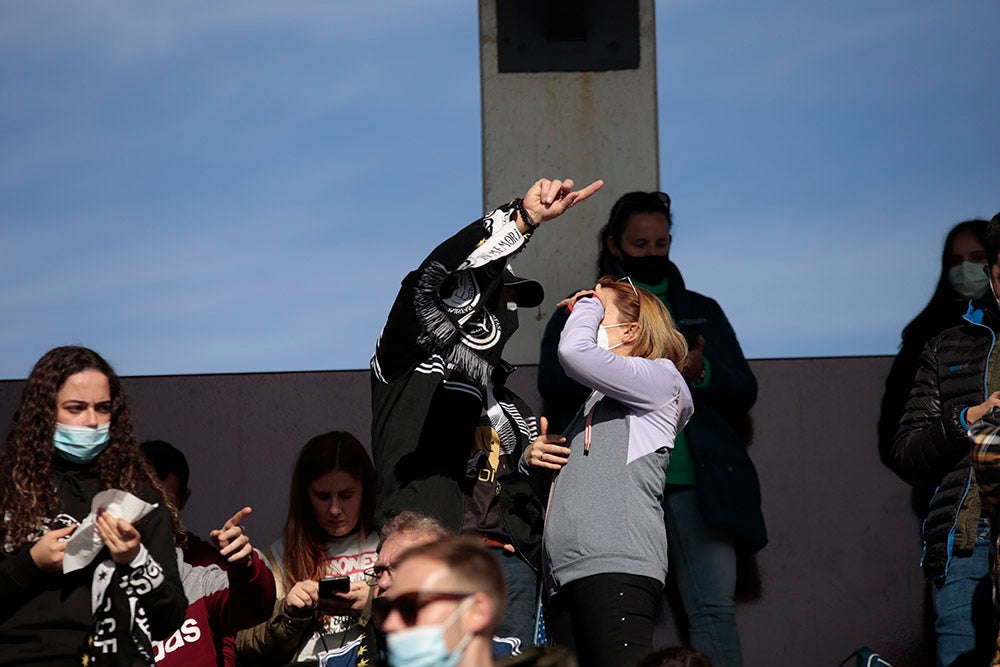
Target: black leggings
(606, 619)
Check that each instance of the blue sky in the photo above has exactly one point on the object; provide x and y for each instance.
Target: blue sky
(226, 187)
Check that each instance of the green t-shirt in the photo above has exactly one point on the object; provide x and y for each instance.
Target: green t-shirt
(681, 469)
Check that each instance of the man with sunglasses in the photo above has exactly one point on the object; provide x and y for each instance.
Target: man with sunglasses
(406, 531)
(446, 600)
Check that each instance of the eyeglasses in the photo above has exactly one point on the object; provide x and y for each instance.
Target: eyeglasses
(373, 574)
(631, 197)
(626, 279)
(408, 605)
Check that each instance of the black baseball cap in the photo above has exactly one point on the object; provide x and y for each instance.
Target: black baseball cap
(527, 293)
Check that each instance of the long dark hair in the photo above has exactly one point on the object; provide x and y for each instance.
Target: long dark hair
(629, 204)
(26, 472)
(305, 539)
(946, 305)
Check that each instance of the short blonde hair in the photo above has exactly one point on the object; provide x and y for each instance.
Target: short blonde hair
(657, 338)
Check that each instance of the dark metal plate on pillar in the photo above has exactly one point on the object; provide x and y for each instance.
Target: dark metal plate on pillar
(567, 35)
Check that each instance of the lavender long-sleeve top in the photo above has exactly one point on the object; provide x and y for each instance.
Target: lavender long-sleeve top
(605, 514)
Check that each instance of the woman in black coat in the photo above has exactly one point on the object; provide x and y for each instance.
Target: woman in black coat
(72, 439)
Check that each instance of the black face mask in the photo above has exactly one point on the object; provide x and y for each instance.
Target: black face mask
(647, 269)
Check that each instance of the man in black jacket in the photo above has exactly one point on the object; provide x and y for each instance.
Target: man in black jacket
(446, 432)
(958, 382)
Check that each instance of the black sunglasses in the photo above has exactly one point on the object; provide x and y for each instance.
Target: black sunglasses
(408, 605)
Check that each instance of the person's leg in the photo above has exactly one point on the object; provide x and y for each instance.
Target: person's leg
(559, 622)
(522, 599)
(703, 561)
(612, 618)
(963, 607)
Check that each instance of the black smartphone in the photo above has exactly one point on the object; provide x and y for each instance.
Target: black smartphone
(330, 586)
(691, 328)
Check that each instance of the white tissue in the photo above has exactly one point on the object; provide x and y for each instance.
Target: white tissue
(84, 544)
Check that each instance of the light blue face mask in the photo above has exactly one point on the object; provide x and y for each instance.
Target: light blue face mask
(969, 279)
(423, 645)
(81, 444)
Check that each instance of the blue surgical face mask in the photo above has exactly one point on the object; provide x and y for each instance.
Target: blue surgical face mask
(424, 645)
(81, 444)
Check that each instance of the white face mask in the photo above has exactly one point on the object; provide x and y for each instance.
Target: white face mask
(969, 279)
(602, 336)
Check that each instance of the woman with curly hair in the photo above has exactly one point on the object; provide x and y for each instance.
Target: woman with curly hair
(71, 439)
(329, 533)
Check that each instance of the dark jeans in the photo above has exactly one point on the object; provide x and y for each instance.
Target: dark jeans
(522, 599)
(606, 619)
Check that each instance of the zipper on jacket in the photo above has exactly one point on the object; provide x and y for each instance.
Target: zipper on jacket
(923, 528)
(950, 544)
(993, 342)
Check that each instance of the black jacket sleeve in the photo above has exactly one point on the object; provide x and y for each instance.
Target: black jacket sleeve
(19, 579)
(931, 438)
(898, 385)
(412, 330)
(563, 396)
(732, 387)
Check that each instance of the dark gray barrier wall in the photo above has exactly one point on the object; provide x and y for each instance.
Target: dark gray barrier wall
(841, 569)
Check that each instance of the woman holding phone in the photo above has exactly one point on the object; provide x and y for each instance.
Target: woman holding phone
(329, 536)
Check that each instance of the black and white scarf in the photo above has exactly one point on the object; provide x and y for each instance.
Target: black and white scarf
(464, 314)
(121, 630)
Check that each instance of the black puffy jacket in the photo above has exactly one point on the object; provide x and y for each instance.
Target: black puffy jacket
(932, 446)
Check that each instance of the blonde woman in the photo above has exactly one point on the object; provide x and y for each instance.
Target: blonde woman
(605, 543)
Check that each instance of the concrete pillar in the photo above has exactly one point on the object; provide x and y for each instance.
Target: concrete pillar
(584, 121)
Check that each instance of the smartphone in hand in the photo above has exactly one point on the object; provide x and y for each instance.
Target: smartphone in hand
(330, 586)
(691, 328)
